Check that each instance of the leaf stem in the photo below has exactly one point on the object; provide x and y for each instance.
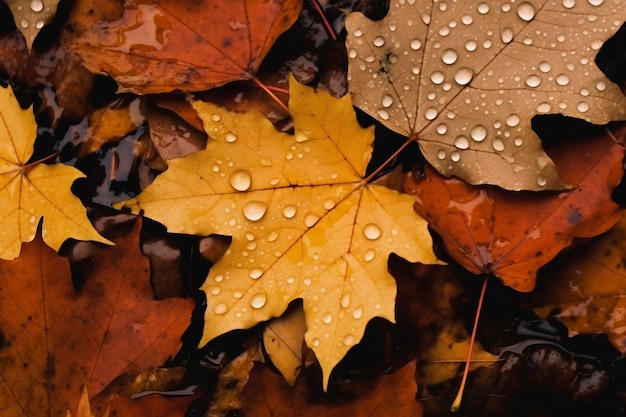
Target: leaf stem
(329, 28)
(270, 93)
(456, 405)
(388, 161)
(44, 159)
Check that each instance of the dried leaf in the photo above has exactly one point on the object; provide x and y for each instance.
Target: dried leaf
(512, 234)
(156, 47)
(585, 288)
(30, 192)
(465, 78)
(303, 223)
(31, 15)
(84, 408)
(56, 339)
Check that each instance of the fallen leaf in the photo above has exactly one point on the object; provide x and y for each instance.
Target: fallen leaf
(56, 339)
(283, 343)
(30, 191)
(84, 408)
(584, 289)
(512, 234)
(31, 15)
(463, 79)
(155, 47)
(303, 222)
(386, 395)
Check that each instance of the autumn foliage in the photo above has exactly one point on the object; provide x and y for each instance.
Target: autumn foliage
(264, 208)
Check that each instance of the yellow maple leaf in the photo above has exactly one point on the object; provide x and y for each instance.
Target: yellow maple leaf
(304, 222)
(84, 408)
(31, 191)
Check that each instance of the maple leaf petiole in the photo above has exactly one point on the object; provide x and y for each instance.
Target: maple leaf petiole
(325, 22)
(456, 405)
(384, 165)
(42, 160)
(270, 93)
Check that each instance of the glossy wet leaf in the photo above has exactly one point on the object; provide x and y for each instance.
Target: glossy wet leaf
(154, 47)
(304, 225)
(585, 288)
(29, 193)
(512, 234)
(31, 15)
(56, 339)
(464, 79)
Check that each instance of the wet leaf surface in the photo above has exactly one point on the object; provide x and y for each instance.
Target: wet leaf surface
(465, 79)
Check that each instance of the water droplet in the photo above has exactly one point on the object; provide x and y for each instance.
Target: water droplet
(255, 273)
(437, 77)
(544, 107)
(449, 56)
(545, 67)
(568, 4)
(372, 231)
(378, 41)
(600, 85)
(387, 100)
(240, 180)
(230, 137)
(352, 53)
(345, 300)
(219, 278)
(357, 313)
(441, 154)
(533, 80)
(562, 79)
(526, 11)
(237, 294)
(582, 107)
(416, 44)
(483, 8)
(479, 133)
(36, 5)
(348, 340)
(467, 19)
(512, 120)
(272, 236)
(541, 180)
(289, 211)
(518, 141)
(310, 219)
(220, 308)
(506, 35)
(328, 318)
(430, 113)
(383, 114)
(216, 291)
(291, 280)
(258, 300)
(471, 46)
(369, 255)
(307, 281)
(329, 204)
(461, 142)
(442, 129)
(254, 210)
(463, 75)
(315, 342)
(24, 23)
(455, 156)
(595, 2)
(497, 144)
(216, 117)
(32, 219)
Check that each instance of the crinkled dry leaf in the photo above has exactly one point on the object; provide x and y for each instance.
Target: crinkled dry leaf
(465, 78)
(31, 192)
(155, 47)
(303, 223)
(31, 15)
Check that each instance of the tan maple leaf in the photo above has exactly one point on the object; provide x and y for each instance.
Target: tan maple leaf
(30, 16)
(304, 223)
(463, 79)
